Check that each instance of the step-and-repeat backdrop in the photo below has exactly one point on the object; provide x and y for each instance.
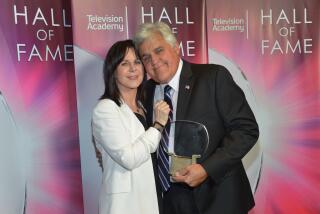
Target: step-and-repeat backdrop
(51, 78)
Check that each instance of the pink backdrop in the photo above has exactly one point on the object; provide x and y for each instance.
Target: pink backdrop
(276, 45)
(49, 87)
(38, 84)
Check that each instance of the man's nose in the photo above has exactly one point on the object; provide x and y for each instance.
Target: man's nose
(154, 60)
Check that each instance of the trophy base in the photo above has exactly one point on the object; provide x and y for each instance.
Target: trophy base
(180, 162)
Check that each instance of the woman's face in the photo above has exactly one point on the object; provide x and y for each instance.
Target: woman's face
(129, 73)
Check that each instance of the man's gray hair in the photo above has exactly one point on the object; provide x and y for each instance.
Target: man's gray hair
(148, 29)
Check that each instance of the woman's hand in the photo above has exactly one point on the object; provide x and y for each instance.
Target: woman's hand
(161, 112)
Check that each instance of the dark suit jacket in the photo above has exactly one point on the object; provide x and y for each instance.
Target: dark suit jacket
(213, 99)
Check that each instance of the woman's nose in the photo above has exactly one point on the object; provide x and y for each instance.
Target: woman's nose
(133, 67)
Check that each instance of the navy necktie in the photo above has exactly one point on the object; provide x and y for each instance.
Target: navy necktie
(163, 158)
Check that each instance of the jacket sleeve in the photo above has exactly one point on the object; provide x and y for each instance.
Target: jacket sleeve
(109, 131)
(239, 123)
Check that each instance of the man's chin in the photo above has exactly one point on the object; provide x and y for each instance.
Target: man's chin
(162, 79)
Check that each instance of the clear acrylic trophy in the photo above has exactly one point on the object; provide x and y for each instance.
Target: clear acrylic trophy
(190, 143)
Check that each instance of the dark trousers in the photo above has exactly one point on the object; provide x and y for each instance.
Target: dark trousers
(179, 199)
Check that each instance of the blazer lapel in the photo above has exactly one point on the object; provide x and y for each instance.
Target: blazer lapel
(185, 89)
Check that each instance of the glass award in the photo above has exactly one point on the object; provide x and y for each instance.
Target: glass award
(190, 143)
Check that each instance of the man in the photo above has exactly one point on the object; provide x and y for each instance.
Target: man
(206, 94)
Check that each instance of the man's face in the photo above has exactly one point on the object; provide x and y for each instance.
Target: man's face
(160, 59)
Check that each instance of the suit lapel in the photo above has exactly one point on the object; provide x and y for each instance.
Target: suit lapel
(185, 88)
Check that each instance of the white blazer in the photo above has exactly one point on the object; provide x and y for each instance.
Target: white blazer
(128, 181)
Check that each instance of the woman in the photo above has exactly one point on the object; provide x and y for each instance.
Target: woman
(119, 132)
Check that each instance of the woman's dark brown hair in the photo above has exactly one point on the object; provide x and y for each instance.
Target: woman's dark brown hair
(114, 57)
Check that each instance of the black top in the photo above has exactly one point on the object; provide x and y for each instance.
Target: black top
(142, 119)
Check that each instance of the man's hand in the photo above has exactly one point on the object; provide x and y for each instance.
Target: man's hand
(193, 175)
